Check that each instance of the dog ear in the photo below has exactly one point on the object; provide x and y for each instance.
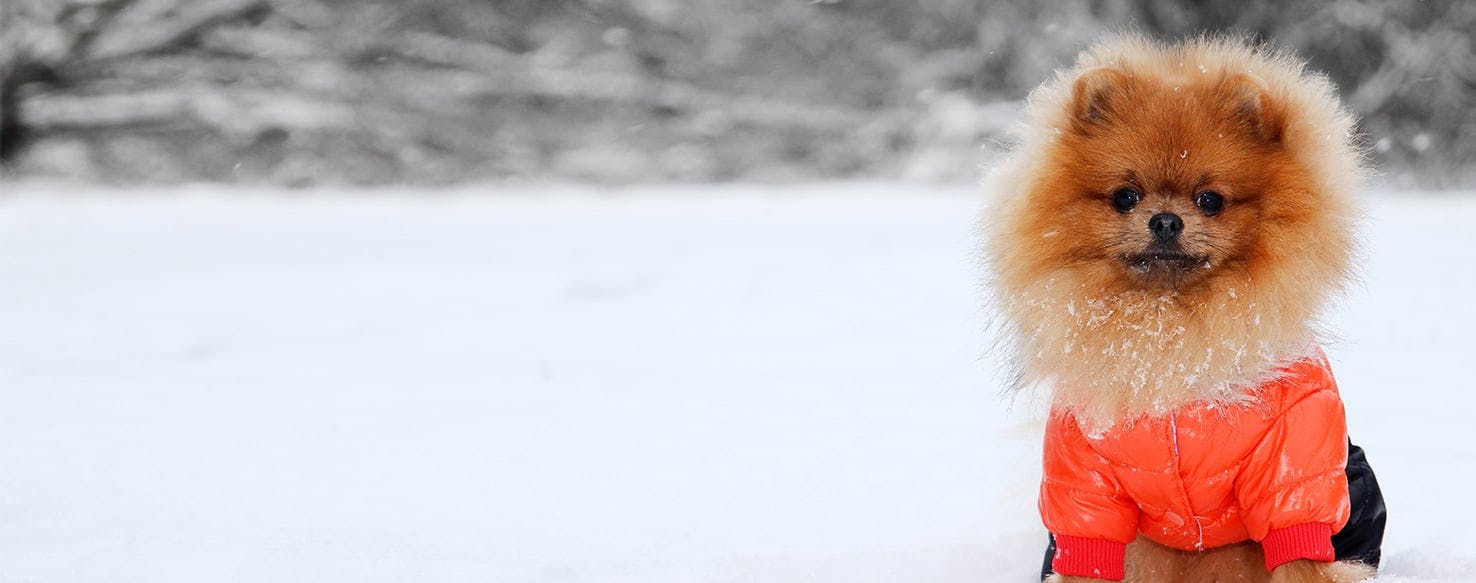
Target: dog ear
(1095, 97)
(1245, 99)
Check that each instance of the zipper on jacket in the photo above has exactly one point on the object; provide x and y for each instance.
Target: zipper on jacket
(1179, 475)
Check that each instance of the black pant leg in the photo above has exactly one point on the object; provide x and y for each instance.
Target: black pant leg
(1050, 555)
(1362, 539)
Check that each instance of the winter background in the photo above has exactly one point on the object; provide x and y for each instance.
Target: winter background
(611, 290)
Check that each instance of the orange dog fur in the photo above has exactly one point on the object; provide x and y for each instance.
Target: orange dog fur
(1114, 332)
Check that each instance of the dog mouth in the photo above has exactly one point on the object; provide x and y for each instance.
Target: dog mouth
(1164, 260)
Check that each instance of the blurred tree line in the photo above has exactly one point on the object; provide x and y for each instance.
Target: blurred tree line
(301, 92)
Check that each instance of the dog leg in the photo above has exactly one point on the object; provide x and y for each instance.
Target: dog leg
(1147, 562)
(1303, 571)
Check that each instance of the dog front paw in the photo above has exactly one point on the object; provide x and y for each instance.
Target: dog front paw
(1343, 572)
(1303, 571)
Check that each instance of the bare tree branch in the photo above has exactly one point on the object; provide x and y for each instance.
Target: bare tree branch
(191, 18)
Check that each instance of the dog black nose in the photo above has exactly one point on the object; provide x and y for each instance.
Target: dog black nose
(1165, 227)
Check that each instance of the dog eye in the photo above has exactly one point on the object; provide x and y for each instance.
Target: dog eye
(1125, 198)
(1209, 202)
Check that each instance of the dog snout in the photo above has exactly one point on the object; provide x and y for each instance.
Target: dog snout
(1165, 227)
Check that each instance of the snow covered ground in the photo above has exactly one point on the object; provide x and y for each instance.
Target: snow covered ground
(753, 384)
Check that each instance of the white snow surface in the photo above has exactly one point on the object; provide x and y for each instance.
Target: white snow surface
(558, 384)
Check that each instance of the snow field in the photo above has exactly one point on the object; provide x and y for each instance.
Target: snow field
(757, 383)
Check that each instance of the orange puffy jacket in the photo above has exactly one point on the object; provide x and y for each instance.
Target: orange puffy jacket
(1269, 470)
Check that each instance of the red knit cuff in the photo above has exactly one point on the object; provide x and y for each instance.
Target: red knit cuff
(1309, 540)
(1089, 557)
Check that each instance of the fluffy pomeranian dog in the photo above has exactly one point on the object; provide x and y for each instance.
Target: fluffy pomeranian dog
(1161, 242)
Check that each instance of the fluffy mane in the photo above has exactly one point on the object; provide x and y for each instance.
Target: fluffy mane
(1110, 353)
